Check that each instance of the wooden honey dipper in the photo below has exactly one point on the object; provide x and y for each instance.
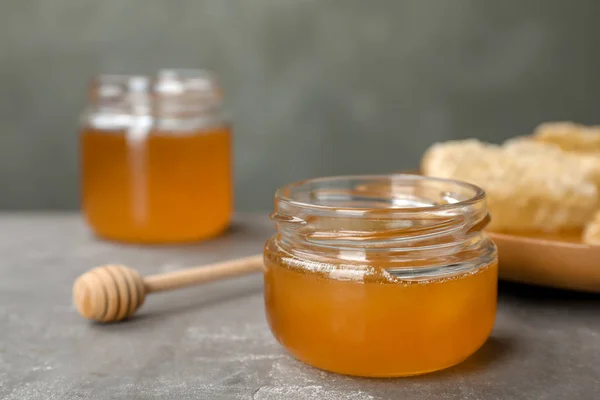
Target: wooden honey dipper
(114, 292)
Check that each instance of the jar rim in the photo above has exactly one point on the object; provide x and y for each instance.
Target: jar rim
(290, 194)
(168, 93)
(199, 77)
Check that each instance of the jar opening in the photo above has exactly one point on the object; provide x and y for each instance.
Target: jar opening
(365, 195)
(410, 219)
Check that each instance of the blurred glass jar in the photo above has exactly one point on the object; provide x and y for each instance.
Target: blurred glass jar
(156, 158)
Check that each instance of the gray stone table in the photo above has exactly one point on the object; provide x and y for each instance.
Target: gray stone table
(212, 342)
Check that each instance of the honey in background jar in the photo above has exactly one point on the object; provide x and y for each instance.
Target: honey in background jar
(156, 158)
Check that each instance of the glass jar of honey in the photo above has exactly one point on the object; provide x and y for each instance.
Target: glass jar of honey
(156, 158)
(380, 276)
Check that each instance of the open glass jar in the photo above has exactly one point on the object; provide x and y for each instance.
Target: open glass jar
(380, 276)
(156, 158)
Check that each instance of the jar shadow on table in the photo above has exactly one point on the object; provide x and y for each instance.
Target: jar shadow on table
(495, 350)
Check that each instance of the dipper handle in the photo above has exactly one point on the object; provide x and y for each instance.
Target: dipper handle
(114, 292)
(208, 273)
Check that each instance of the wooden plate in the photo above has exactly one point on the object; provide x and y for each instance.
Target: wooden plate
(565, 264)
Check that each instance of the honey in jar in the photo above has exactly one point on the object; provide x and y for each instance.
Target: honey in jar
(156, 158)
(380, 276)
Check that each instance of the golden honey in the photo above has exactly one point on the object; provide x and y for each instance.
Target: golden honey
(167, 188)
(381, 301)
(379, 328)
